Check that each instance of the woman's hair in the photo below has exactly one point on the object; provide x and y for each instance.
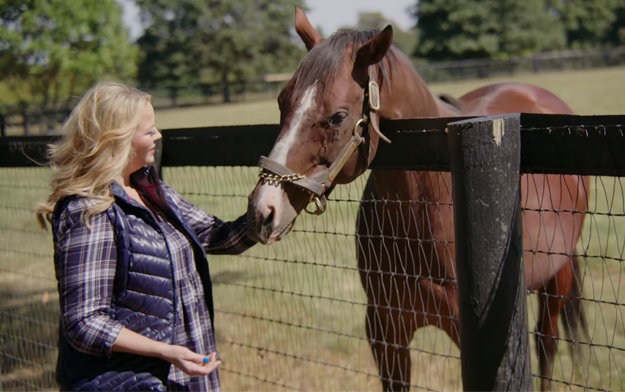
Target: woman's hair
(95, 147)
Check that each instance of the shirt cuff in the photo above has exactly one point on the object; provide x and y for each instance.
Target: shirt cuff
(111, 338)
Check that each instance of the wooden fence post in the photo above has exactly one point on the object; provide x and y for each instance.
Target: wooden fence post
(485, 158)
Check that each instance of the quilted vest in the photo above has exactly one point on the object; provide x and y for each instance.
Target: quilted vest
(143, 294)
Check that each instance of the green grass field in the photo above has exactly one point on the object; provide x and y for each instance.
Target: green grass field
(291, 315)
(588, 92)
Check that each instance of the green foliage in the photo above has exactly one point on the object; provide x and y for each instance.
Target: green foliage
(53, 49)
(404, 40)
(615, 35)
(459, 29)
(587, 22)
(527, 27)
(216, 40)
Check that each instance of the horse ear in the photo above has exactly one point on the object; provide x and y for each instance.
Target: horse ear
(374, 50)
(304, 29)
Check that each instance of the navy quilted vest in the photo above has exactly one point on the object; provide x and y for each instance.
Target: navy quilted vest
(143, 295)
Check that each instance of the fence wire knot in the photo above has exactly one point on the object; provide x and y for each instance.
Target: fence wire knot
(274, 179)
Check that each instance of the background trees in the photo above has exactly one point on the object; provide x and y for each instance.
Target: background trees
(51, 50)
(212, 41)
(405, 40)
(462, 29)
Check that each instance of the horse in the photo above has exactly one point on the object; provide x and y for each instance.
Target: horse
(330, 111)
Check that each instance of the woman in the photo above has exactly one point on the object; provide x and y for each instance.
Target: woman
(133, 279)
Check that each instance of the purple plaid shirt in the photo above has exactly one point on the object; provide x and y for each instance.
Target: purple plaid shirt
(87, 272)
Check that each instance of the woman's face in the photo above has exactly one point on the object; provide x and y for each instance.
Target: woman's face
(144, 141)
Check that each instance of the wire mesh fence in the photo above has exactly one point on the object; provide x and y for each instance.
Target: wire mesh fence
(291, 316)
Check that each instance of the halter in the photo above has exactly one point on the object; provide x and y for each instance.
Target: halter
(274, 173)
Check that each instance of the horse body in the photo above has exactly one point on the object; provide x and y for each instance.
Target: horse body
(405, 227)
(410, 281)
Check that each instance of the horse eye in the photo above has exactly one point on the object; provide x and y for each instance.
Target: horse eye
(337, 118)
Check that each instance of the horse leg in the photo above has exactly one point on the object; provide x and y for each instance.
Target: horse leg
(390, 332)
(445, 304)
(550, 305)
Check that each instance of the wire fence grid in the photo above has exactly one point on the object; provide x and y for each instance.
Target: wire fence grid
(291, 316)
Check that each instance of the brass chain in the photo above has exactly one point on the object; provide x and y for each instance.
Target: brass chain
(274, 179)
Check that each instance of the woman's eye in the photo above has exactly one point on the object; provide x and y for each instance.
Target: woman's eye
(337, 118)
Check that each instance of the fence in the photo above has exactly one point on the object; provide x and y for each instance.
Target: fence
(32, 122)
(25, 122)
(292, 315)
(540, 62)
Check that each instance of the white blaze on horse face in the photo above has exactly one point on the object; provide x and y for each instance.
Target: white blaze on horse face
(270, 196)
(281, 150)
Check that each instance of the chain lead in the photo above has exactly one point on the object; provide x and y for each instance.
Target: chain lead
(274, 179)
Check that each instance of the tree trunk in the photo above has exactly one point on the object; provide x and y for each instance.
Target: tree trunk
(226, 89)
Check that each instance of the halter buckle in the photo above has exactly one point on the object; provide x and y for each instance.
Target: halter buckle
(320, 206)
(374, 95)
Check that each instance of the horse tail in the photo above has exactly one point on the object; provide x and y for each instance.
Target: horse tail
(575, 323)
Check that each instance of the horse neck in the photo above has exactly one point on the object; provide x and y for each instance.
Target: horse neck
(409, 96)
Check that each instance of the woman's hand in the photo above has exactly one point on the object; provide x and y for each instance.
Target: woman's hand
(189, 362)
(181, 357)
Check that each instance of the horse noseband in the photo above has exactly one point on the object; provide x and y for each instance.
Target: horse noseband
(274, 173)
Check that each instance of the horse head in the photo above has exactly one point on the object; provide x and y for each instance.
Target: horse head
(329, 126)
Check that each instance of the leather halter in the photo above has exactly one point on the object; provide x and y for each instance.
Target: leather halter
(274, 173)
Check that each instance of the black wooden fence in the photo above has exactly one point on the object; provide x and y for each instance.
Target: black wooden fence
(549, 144)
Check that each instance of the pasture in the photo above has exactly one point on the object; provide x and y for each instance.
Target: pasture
(595, 91)
(292, 314)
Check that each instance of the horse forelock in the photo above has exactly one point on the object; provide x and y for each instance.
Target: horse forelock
(324, 61)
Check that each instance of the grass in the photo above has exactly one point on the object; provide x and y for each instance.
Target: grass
(291, 315)
(595, 91)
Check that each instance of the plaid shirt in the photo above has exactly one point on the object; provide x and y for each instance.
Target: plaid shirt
(87, 270)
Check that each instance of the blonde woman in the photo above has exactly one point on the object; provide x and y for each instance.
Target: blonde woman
(130, 255)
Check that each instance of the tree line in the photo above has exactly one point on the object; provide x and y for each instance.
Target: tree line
(53, 50)
(462, 29)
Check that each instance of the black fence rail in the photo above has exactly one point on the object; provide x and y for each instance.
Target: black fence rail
(24, 122)
(296, 308)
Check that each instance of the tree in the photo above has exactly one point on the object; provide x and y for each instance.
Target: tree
(461, 29)
(405, 40)
(51, 50)
(527, 27)
(615, 35)
(223, 40)
(164, 58)
(587, 22)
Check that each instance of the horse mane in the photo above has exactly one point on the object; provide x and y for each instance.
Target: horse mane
(324, 60)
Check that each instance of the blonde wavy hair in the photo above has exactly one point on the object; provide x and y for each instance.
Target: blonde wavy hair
(95, 147)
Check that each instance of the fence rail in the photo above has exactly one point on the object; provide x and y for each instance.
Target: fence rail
(585, 145)
(295, 309)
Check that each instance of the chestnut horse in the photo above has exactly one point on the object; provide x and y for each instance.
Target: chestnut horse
(329, 134)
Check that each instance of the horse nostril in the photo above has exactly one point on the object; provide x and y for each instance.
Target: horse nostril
(266, 214)
(269, 218)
